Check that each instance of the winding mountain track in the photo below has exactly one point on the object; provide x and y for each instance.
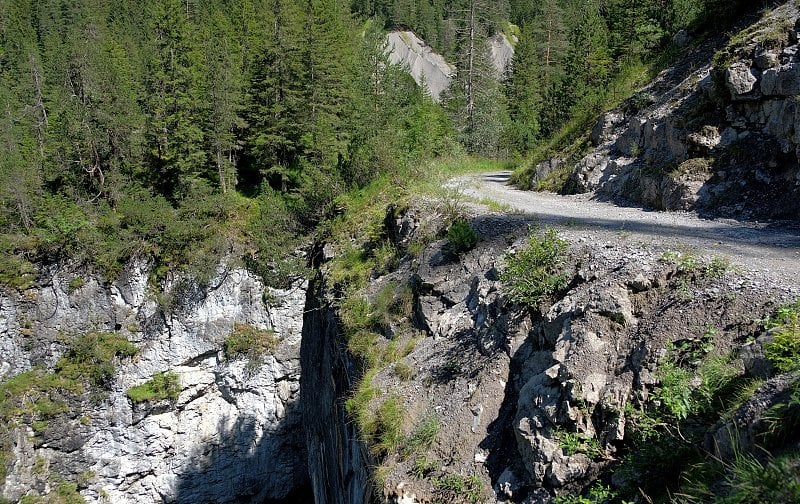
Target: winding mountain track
(770, 250)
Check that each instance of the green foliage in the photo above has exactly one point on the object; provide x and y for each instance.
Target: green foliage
(461, 237)
(597, 494)
(423, 437)
(784, 350)
(675, 393)
(577, 442)
(403, 371)
(91, 357)
(534, 272)
(457, 488)
(248, 341)
(163, 385)
(64, 493)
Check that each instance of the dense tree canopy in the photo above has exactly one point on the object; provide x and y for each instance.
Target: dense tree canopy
(134, 128)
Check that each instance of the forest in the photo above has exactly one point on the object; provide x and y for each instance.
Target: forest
(182, 131)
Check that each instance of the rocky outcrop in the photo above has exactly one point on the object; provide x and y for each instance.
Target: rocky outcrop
(231, 434)
(740, 118)
(501, 49)
(431, 70)
(426, 66)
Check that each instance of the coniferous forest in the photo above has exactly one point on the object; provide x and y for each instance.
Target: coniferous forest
(180, 131)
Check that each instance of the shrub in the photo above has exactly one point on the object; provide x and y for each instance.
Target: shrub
(403, 371)
(91, 357)
(461, 237)
(161, 386)
(784, 350)
(534, 273)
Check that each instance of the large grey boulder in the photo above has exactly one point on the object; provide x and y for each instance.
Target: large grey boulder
(741, 81)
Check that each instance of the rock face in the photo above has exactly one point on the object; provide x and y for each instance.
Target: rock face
(425, 66)
(502, 51)
(232, 434)
(735, 126)
(338, 462)
(430, 69)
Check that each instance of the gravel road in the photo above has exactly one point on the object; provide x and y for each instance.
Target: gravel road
(769, 251)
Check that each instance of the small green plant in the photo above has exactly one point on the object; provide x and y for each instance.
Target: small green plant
(675, 392)
(576, 442)
(534, 272)
(423, 467)
(403, 371)
(461, 237)
(454, 486)
(75, 284)
(161, 386)
(784, 350)
(717, 268)
(251, 342)
(387, 428)
(423, 436)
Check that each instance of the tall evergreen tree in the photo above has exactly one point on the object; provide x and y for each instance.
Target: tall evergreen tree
(175, 104)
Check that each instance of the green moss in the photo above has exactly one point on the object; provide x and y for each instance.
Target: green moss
(161, 386)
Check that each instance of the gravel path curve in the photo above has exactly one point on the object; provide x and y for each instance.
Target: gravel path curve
(767, 250)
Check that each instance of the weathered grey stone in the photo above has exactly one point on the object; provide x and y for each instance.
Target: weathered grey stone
(740, 80)
(781, 81)
(603, 129)
(424, 65)
(231, 434)
(681, 39)
(765, 58)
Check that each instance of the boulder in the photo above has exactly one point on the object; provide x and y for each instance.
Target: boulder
(741, 81)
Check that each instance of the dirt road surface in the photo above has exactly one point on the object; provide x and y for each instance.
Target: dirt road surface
(767, 250)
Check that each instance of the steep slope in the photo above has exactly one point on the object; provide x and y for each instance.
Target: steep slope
(468, 395)
(225, 428)
(718, 137)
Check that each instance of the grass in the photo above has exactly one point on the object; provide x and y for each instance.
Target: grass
(423, 436)
(161, 386)
(250, 342)
(457, 488)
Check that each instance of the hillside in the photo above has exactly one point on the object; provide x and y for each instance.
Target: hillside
(264, 251)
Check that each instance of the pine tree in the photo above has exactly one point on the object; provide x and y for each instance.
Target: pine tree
(276, 99)
(174, 129)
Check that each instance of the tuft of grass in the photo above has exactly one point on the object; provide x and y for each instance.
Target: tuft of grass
(459, 488)
(161, 386)
(403, 371)
(534, 272)
(248, 341)
(423, 436)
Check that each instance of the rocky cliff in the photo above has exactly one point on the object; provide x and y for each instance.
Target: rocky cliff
(468, 396)
(229, 431)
